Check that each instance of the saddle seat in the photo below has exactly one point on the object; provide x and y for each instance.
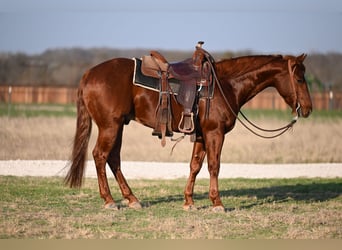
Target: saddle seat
(185, 70)
(156, 63)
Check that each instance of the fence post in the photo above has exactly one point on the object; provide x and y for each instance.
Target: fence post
(331, 99)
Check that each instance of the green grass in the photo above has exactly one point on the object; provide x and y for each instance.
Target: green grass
(286, 114)
(35, 208)
(32, 110)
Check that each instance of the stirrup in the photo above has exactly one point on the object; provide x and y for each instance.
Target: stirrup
(192, 125)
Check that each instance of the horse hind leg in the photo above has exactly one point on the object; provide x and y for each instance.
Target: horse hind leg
(114, 161)
(104, 144)
(198, 155)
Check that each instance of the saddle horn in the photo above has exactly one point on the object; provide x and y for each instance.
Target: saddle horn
(199, 44)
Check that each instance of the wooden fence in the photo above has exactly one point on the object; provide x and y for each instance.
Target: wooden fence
(39, 95)
(268, 99)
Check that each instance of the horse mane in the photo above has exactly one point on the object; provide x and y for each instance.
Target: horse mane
(240, 66)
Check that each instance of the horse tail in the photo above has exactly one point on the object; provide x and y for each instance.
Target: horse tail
(74, 177)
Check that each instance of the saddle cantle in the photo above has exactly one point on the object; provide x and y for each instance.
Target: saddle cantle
(190, 74)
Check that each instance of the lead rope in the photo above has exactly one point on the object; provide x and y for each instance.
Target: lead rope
(291, 72)
(282, 129)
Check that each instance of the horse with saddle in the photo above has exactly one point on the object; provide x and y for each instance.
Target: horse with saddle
(177, 97)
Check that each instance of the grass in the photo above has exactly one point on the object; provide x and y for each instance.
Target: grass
(42, 208)
(34, 110)
(50, 138)
(285, 114)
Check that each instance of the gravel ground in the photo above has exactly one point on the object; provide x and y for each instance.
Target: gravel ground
(157, 170)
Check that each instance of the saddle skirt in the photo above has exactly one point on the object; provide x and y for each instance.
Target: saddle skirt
(152, 83)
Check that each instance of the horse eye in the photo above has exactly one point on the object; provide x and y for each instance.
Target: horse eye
(301, 80)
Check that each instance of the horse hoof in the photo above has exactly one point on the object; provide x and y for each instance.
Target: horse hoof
(189, 207)
(218, 209)
(135, 205)
(111, 206)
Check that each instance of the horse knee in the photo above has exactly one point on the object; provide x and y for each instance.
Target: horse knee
(195, 168)
(95, 155)
(213, 171)
(196, 164)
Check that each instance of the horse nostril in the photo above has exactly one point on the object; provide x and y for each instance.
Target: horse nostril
(308, 113)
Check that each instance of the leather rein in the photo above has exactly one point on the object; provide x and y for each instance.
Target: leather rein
(280, 130)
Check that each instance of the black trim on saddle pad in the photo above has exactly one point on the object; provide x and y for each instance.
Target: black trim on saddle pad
(149, 82)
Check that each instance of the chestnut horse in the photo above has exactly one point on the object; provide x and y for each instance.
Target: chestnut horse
(107, 96)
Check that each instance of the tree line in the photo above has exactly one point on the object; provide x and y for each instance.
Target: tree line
(65, 67)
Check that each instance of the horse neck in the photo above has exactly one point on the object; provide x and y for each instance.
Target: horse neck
(250, 84)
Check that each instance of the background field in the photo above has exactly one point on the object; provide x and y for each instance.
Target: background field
(42, 208)
(46, 132)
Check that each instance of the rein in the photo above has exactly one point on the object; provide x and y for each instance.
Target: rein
(281, 130)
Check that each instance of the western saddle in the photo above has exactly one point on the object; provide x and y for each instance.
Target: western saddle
(192, 73)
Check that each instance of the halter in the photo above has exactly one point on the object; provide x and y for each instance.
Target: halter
(291, 72)
(281, 130)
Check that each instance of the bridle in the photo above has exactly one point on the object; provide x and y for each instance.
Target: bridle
(292, 78)
(280, 130)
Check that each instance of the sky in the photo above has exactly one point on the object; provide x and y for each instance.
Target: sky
(265, 26)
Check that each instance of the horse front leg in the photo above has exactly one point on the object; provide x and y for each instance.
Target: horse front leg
(214, 143)
(198, 154)
(114, 162)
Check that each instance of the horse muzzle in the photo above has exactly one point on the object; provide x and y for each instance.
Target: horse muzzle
(302, 111)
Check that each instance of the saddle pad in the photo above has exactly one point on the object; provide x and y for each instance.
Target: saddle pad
(151, 83)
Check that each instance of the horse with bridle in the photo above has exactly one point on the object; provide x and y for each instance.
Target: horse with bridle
(107, 96)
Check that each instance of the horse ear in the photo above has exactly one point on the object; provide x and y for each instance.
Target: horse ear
(302, 57)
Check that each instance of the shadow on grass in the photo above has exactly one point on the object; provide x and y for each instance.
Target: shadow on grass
(310, 192)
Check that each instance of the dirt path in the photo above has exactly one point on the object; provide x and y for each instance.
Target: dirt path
(156, 170)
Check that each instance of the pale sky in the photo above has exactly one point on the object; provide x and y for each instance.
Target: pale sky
(265, 26)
